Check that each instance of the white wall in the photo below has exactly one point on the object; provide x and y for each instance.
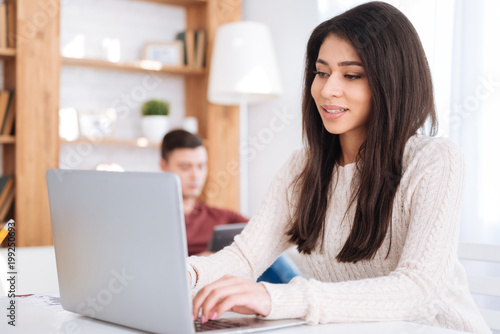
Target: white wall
(291, 23)
(85, 26)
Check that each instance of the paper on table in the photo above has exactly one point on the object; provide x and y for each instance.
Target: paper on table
(50, 302)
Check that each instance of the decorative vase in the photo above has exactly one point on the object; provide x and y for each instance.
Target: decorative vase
(154, 127)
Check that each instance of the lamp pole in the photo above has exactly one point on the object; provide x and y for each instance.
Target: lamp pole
(243, 157)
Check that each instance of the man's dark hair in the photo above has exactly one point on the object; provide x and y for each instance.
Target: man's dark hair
(176, 139)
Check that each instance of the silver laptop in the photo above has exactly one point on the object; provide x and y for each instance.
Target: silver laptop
(121, 252)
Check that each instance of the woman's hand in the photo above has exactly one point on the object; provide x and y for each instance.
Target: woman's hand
(231, 293)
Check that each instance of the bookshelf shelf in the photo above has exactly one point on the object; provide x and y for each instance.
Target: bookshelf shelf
(179, 2)
(7, 139)
(139, 142)
(138, 66)
(7, 52)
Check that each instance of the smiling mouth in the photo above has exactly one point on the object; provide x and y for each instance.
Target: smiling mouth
(335, 111)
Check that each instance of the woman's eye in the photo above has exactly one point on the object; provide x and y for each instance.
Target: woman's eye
(352, 77)
(321, 74)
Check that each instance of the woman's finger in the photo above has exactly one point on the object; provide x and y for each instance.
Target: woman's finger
(219, 294)
(253, 299)
(239, 303)
(244, 297)
(200, 297)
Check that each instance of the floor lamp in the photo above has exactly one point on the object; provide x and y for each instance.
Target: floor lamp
(243, 71)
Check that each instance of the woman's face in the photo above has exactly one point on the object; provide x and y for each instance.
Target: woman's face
(340, 89)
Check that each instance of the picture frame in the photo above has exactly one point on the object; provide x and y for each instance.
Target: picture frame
(170, 54)
(100, 123)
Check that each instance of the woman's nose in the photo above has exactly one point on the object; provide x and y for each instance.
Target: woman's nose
(332, 87)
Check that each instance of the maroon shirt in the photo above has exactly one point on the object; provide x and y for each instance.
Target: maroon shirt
(200, 224)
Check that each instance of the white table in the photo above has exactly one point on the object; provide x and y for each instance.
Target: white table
(36, 273)
(36, 270)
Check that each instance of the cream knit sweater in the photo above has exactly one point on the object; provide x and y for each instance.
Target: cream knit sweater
(421, 280)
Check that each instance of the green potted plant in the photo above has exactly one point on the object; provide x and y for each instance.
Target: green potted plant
(155, 119)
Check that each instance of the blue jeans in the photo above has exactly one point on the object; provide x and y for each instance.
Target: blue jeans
(281, 271)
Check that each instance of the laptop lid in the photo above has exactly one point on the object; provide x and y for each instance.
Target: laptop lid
(120, 247)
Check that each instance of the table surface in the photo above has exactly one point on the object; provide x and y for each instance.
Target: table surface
(41, 313)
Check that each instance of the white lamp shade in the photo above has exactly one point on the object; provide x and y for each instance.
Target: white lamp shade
(243, 65)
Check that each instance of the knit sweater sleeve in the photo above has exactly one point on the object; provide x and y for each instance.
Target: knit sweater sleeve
(420, 285)
(263, 239)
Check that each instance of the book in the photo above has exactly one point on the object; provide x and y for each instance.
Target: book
(193, 42)
(4, 104)
(3, 25)
(3, 181)
(8, 120)
(6, 196)
(4, 209)
(11, 25)
(6, 184)
(200, 48)
(182, 37)
(190, 47)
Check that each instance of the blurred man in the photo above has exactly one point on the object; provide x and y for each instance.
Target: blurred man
(183, 153)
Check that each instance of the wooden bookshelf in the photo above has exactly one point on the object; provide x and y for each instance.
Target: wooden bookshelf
(8, 57)
(137, 66)
(139, 142)
(7, 52)
(7, 139)
(179, 2)
(32, 69)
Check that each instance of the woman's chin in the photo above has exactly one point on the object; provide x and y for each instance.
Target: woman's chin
(334, 130)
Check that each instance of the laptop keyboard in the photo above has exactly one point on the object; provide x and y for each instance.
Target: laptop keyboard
(216, 324)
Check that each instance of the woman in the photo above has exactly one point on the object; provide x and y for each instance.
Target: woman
(372, 207)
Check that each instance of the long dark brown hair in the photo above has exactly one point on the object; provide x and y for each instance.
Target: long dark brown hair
(402, 100)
